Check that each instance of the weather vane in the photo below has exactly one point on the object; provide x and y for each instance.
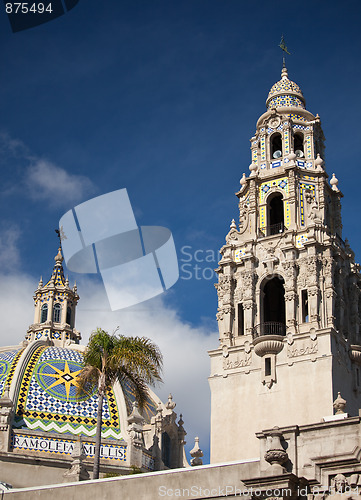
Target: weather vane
(61, 234)
(283, 46)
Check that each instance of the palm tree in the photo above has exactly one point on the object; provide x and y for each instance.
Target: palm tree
(109, 358)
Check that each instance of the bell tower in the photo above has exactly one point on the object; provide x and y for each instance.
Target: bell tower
(288, 291)
(55, 305)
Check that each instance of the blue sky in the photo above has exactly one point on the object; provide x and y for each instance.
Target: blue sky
(160, 97)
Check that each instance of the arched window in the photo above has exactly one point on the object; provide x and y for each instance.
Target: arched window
(298, 145)
(56, 313)
(68, 315)
(44, 313)
(275, 214)
(274, 310)
(276, 145)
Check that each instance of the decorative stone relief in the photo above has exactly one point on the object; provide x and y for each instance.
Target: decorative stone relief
(243, 216)
(302, 348)
(237, 361)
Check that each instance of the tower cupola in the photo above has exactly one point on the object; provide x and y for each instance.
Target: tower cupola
(55, 304)
(285, 93)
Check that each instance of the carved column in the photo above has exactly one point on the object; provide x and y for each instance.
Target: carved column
(225, 315)
(313, 290)
(77, 471)
(329, 266)
(6, 413)
(248, 284)
(340, 303)
(290, 294)
(135, 431)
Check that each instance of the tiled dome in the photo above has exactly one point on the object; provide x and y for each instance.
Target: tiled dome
(285, 93)
(47, 395)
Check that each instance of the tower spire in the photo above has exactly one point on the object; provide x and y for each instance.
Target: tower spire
(55, 304)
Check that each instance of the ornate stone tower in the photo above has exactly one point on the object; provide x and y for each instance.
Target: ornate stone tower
(55, 305)
(288, 291)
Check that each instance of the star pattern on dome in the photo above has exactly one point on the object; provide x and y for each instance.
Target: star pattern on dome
(66, 377)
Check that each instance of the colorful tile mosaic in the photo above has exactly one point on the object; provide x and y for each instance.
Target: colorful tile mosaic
(276, 164)
(297, 117)
(8, 364)
(301, 239)
(305, 187)
(282, 184)
(285, 101)
(300, 127)
(284, 85)
(47, 398)
(286, 141)
(308, 178)
(239, 253)
(308, 147)
(254, 155)
(57, 276)
(266, 186)
(263, 148)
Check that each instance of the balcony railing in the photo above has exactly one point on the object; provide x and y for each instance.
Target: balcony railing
(269, 328)
(273, 229)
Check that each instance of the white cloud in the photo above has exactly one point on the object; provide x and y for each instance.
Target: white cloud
(17, 307)
(46, 181)
(9, 252)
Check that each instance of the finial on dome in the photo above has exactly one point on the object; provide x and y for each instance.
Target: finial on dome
(284, 73)
(233, 224)
(59, 257)
(40, 285)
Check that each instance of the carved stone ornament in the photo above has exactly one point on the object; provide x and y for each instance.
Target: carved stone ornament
(232, 236)
(274, 122)
(275, 454)
(196, 453)
(339, 404)
(355, 353)
(268, 344)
